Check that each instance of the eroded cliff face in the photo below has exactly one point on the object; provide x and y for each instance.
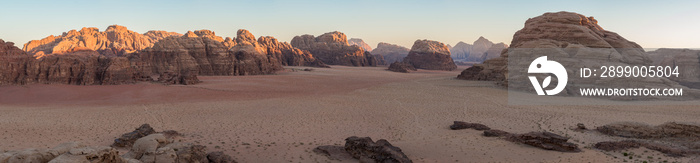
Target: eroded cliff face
(333, 48)
(115, 41)
(76, 67)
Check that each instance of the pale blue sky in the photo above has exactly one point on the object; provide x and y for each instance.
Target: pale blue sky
(652, 24)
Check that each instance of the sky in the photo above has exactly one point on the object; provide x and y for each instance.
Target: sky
(652, 24)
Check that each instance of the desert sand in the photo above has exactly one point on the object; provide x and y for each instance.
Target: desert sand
(282, 117)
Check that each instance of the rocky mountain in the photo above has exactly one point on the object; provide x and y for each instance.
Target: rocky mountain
(360, 43)
(115, 41)
(391, 53)
(333, 48)
(573, 40)
(430, 55)
(482, 49)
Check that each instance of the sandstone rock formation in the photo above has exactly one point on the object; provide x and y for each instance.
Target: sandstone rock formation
(688, 62)
(574, 41)
(333, 48)
(202, 55)
(128, 139)
(78, 67)
(391, 53)
(115, 41)
(430, 55)
(401, 67)
(288, 55)
(360, 43)
(481, 50)
(366, 150)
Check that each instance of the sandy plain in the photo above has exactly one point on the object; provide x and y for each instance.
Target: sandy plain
(282, 117)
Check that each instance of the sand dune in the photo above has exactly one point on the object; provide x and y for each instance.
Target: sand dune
(281, 118)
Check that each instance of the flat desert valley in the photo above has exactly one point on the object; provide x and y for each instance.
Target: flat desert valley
(283, 117)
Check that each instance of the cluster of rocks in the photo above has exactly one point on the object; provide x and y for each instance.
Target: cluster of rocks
(426, 54)
(333, 48)
(365, 150)
(481, 50)
(543, 140)
(144, 144)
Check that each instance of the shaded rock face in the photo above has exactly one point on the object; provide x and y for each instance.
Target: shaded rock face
(481, 50)
(360, 43)
(573, 40)
(288, 55)
(333, 48)
(366, 150)
(128, 139)
(687, 60)
(391, 53)
(401, 67)
(80, 67)
(204, 56)
(430, 55)
(671, 138)
(115, 41)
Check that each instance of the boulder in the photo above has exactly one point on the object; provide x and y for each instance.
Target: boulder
(146, 145)
(333, 48)
(430, 55)
(128, 139)
(90, 154)
(219, 157)
(366, 150)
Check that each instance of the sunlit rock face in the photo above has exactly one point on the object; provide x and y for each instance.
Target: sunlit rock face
(430, 55)
(115, 41)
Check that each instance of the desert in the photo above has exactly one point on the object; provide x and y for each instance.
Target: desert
(314, 89)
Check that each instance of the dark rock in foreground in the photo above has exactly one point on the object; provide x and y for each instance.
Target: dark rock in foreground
(496, 133)
(333, 152)
(458, 125)
(128, 139)
(545, 140)
(401, 67)
(367, 150)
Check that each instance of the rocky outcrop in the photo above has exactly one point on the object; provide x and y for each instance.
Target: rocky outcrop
(401, 67)
(115, 41)
(360, 43)
(77, 67)
(430, 55)
(481, 50)
(288, 55)
(333, 48)
(573, 40)
(192, 53)
(366, 150)
(391, 53)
